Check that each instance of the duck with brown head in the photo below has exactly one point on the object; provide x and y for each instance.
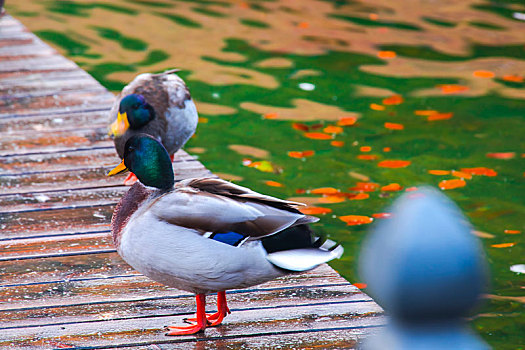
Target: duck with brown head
(158, 105)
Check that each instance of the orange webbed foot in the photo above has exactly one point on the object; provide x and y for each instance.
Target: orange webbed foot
(201, 320)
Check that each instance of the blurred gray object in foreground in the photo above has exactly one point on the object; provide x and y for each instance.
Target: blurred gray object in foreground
(427, 270)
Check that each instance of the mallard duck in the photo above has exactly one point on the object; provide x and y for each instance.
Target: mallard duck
(158, 105)
(206, 235)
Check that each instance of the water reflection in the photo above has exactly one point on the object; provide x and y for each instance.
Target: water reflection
(438, 85)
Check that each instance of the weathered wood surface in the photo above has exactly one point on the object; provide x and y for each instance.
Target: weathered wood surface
(62, 285)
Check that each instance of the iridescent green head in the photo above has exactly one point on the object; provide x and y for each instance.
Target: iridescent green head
(148, 160)
(137, 110)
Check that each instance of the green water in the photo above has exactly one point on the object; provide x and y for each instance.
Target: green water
(244, 60)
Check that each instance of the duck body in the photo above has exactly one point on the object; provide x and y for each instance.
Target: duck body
(172, 117)
(207, 235)
(184, 238)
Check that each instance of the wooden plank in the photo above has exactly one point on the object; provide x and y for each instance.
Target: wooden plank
(89, 98)
(54, 62)
(28, 83)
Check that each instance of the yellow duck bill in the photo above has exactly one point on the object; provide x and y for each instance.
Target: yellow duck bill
(118, 169)
(119, 126)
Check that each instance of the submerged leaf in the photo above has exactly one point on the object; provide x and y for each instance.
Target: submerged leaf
(392, 187)
(337, 143)
(356, 219)
(451, 184)
(333, 129)
(394, 126)
(382, 215)
(367, 156)
(317, 136)
(331, 199)
(503, 245)
(512, 232)
(325, 190)
(501, 155)
(484, 74)
(377, 107)
(393, 100)
(365, 187)
(315, 210)
(347, 121)
(394, 163)
(274, 183)
(480, 171)
(440, 116)
(439, 172)
(300, 126)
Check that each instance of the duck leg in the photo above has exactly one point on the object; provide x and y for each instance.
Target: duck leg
(201, 320)
(222, 310)
(216, 318)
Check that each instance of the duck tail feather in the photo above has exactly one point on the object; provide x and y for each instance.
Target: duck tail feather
(304, 259)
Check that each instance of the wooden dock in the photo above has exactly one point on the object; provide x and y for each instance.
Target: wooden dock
(62, 285)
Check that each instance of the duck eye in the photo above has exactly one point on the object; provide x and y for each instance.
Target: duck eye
(136, 105)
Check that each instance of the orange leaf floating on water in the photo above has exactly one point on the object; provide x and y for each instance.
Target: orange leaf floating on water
(452, 88)
(333, 129)
(425, 112)
(356, 219)
(317, 126)
(392, 187)
(203, 120)
(501, 155)
(503, 245)
(393, 100)
(360, 196)
(367, 156)
(512, 232)
(394, 163)
(451, 184)
(300, 191)
(513, 78)
(331, 199)
(394, 126)
(365, 187)
(360, 285)
(377, 107)
(411, 189)
(382, 215)
(347, 121)
(337, 143)
(439, 116)
(483, 74)
(365, 148)
(386, 54)
(480, 171)
(298, 154)
(274, 183)
(263, 165)
(315, 210)
(300, 126)
(272, 115)
(303, 25)
(461, 174)
(317, 136)
(325, 190)
(386, 149)
(373, 16)
(439, 172)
